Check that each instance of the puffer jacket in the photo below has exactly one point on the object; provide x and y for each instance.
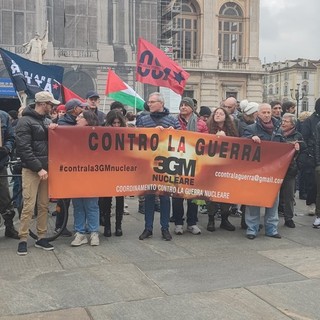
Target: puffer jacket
(154, 119)
(256, 129)
(32, 140)
(7, 135)
(67, 120)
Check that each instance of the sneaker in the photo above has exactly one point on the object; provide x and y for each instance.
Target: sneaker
(316, 223)
(126, 205)
(94, 239)
(11, 232)
(166, 235)
(22, 248)
(289, 224)
(64, 233)
(79, 239)
(145, 234)
(194, 229)
(311, 209)
(178, 229)
(44, 244)
(126, 211)
(203, 209)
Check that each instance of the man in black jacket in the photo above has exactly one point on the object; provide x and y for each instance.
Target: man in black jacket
(32, 148)
(308, 165)
(6, 146)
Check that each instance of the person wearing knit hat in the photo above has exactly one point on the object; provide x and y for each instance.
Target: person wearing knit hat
(189, 121)
(205, 113)
(61, 110)
(251, 108)
(248, 116)
(188, 101)
(243, 104)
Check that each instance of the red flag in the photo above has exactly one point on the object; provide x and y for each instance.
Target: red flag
(68, 94)
(154, 67)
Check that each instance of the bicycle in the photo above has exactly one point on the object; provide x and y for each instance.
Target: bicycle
(52, 233)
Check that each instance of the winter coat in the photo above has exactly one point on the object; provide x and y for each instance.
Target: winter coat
(256, 129)
(295, 136)
(154, 119)
(32, 140)
(317, 145)
(201, 125)
(67, 120)
(7, 135)
(308, 134)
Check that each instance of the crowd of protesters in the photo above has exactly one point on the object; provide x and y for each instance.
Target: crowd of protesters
(25, 135)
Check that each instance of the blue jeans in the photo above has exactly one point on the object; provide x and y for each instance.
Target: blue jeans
(86, 215)
(16, 191)
(178, 211)
(164, 211)
(271, 219)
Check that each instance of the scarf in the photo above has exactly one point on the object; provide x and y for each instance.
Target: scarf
(268, 127)
(192, 123)
(289, 132)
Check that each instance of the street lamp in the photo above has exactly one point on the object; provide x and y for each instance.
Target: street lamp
(296, 95)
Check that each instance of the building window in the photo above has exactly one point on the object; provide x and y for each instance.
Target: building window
(286, 76)
(75, 23)
(270, 90)
(230, 32)
(304, 105)
(233, 94)
(186, 41)
(17, 21)
(285, 90)
(305, 75)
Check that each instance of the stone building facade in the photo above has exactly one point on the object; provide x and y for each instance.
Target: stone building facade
(216, 41)
(296, 80)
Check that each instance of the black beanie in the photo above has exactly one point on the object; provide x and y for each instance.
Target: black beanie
(205, 111)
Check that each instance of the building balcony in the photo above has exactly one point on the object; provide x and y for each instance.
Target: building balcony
(87, 55)
(18, 49)
(64, 54)
(189, 64)
(232, 65)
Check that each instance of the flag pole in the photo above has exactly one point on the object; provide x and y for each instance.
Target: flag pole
(104, 104)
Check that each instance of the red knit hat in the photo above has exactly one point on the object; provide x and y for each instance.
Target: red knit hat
(61, 107)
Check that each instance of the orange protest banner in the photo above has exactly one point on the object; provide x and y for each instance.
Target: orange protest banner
(104, 161)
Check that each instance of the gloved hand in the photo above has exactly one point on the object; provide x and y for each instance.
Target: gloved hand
(3, 152)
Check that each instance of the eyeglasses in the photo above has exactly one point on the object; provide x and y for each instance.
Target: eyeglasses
(151, 102)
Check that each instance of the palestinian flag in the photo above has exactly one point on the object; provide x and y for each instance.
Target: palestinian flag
(120, 91)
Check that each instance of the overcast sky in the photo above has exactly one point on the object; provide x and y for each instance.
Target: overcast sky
(289, 29)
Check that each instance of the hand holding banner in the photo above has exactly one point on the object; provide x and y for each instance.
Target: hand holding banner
(131, 161)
